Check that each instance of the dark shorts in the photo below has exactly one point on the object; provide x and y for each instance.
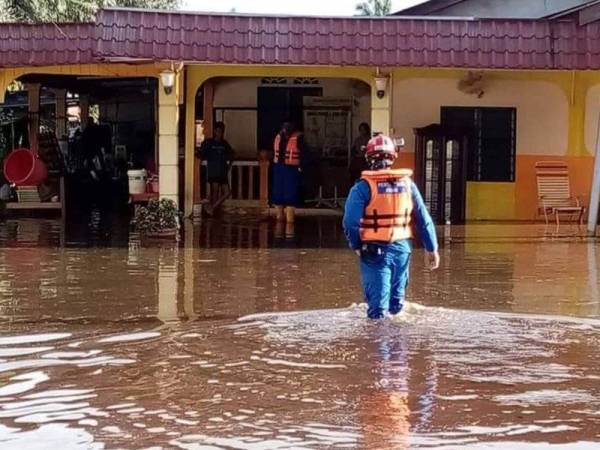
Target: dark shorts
(217, 180)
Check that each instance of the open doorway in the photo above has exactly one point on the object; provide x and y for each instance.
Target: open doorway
(277, 104)
(328, 112)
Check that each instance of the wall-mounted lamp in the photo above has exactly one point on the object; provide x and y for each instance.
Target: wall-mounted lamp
(167, 79)
(399, 142)
(381, 82)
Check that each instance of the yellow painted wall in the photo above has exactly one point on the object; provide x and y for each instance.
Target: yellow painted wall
(557, 119)
(518, 200)
(542, 109)
(490, 201)
(592, 114)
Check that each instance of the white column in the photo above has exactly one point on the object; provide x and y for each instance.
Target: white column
(381, 109)
(595, 194)
(168, 141)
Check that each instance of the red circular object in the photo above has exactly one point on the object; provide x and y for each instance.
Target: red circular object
(22, 167)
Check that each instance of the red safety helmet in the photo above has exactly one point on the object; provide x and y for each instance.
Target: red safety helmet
(381, 147)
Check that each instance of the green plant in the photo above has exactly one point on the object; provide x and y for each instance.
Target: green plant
(159, 215)
(70, 10)
(374, 8)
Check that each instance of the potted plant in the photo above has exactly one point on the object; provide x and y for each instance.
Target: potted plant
(159, 219)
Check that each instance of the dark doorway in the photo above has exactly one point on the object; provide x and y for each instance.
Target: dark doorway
(440, 172)
(277, 104)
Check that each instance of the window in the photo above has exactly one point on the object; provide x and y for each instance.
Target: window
(492, 142)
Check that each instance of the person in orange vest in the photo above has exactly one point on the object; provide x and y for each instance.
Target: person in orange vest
(287, 159)
(378, 215)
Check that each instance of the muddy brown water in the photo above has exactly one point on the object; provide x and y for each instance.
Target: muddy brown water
(238, 338)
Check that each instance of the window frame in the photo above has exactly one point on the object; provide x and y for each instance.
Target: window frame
(476, 154)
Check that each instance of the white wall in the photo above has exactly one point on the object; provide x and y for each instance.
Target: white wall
(542, 109)
(242, 93)
(361, 92)
(236, 92)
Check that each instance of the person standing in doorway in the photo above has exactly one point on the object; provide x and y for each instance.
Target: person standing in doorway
(218, 155)
(358, 162)
(288, 150)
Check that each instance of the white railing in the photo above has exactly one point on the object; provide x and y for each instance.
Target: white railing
(248, 181)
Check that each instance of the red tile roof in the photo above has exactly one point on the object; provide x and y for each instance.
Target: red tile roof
(121, 34)
(46, 44)
(323, 41)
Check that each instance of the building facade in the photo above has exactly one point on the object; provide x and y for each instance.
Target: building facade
(532, 86)
(515, 9)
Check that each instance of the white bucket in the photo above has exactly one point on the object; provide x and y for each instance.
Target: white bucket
(137, 181)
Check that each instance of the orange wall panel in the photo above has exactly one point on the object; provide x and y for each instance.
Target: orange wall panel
(580, 170)
(406, 160)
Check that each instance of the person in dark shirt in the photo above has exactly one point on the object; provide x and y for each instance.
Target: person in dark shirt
(218, 155)
(358, 163)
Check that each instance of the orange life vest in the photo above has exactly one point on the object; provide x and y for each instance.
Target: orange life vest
(292, 151)
(387, 216)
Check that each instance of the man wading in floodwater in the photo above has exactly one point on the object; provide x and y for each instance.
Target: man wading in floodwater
(377, 223)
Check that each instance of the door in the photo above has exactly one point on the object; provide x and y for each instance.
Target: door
(278, 104)
(441, 173)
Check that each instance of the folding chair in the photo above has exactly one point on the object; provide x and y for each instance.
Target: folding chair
(554, 192)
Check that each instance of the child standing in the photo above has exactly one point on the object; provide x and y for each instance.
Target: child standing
(377, 223)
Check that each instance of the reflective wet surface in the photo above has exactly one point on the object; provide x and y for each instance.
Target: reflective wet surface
(247, 336)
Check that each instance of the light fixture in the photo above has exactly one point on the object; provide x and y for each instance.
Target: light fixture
(399, 142)
(167, 78)
(381, 82)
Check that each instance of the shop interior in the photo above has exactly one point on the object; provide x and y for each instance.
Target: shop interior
(90, 132)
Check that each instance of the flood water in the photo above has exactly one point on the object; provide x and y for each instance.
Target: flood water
(241, 338)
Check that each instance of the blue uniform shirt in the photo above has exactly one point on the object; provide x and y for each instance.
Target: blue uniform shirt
(359, 198)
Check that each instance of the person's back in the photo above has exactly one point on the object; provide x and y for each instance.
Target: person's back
(288, 157)
(377, 221)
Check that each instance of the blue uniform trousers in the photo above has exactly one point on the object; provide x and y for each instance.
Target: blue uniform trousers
(384, 270)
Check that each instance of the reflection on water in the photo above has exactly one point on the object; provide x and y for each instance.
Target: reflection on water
(433, 379)
(249, 336)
